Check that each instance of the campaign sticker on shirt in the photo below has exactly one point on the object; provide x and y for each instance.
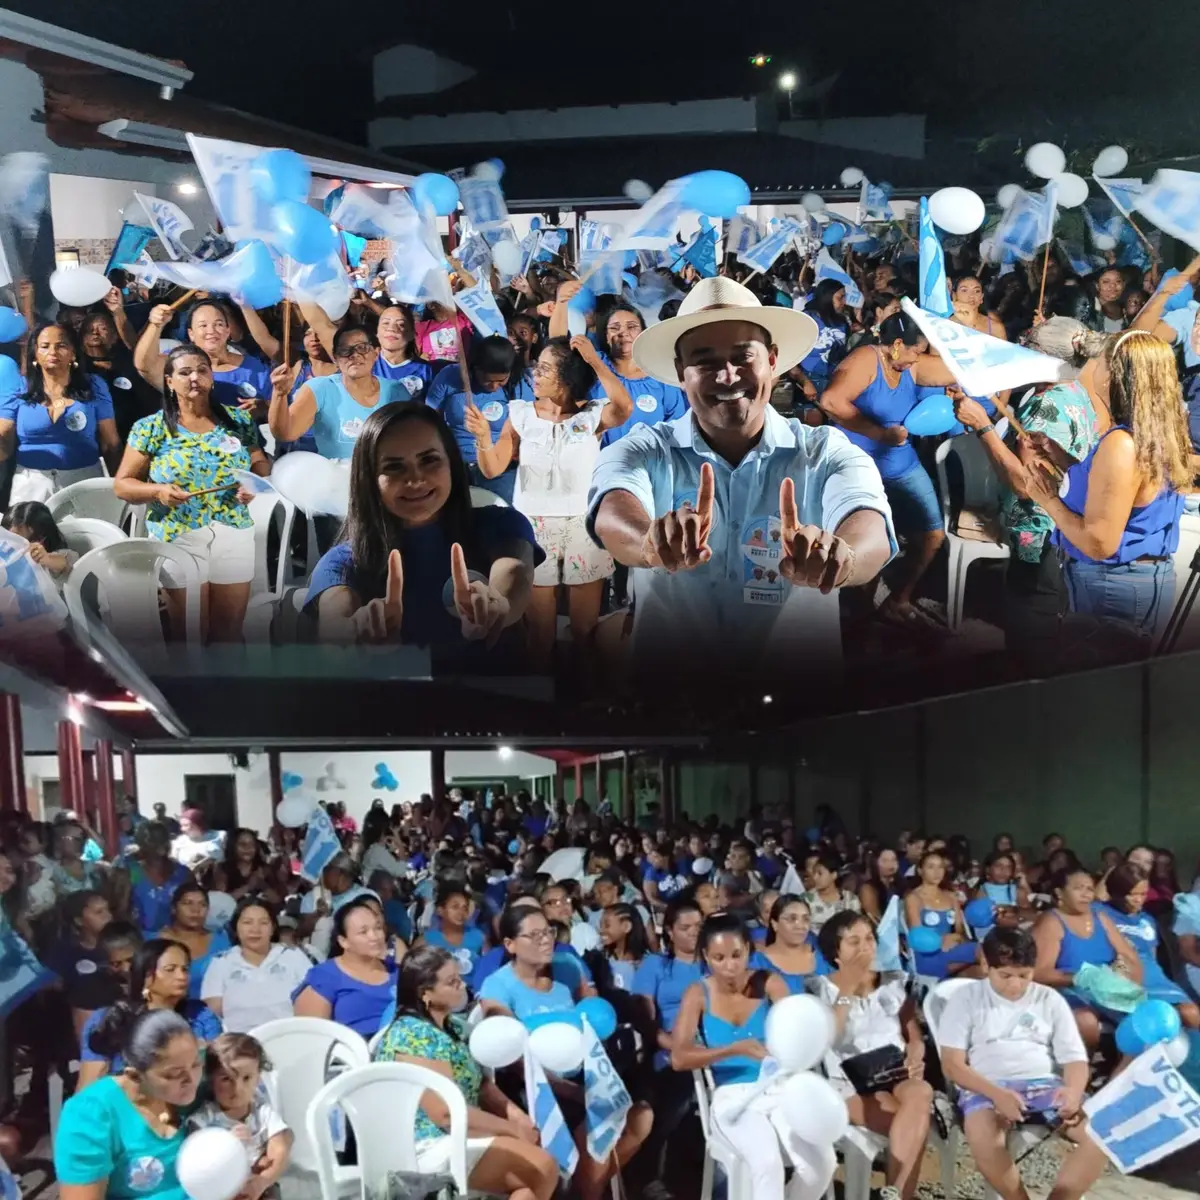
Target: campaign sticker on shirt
(444, 342)
(76, 420)
(932, 918)
(229, 444)
(122, 383)
(463, 958)
(688, 498)
(762, 540)
(646, 402)
(85, 966)
(411, 384)
(248, 390)
(146, 1174)
(352, 428)
(493, 410)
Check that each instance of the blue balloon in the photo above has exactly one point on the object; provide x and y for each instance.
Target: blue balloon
(715, 193)
(302, 233)
(514, 847)
(262, 287)
(535, 223)
(1128, 1041)
(601, 1016)
(832, 234)
(12, 325)
(1155, 1021)
(10, 377)
(560, 1016)
(924, 940)
(934, 415)
(438, 192)
(279, 175)
(980, 913)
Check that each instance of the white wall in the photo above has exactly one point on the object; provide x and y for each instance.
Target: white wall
(83, 207)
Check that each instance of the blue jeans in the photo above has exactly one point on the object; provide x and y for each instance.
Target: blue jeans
(1133, 594)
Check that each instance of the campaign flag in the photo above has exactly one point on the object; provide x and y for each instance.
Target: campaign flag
(480, 306)
(225, 168)
(606, 1099)
(792, 884)
(355, 248)
(259, 485)
(873, 202)
(934, 293)
(552, 1128)
(1148, 1112)
(983, 364)
(827, 268)
(742, 233)
(700, 253)
(21, 974)
(128, 248)
(1103, 221)
(604, 273)
(887, 938)
(654, 224)
(167, 220)
(29, 600)
(551, 243)
(762, 254)
(1123, 193)
(483, 202)
(591, 237)
(1172, 201)
(321, 843)
(474, 254)
(1027, 224)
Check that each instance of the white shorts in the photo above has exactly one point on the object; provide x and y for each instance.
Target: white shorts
(31, 484)
(433, 1156)
(222, 554)
(571, 555)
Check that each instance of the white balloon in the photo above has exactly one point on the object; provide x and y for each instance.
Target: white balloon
(1070, 190)
(851, 176)
(1104, 241)
(497, 1042)
(799, 1032)
(814, 1110)
(315, 485)
(638, 189)
(812, 202)
(1112, 160)
(558, 1047)
(1180, 1046)
(220, 910)
(78, 287)
(507, 257)
(212, 1165)
(702, 866)
(294, 810)
(956, 210)
(1045, 160)
(1007, 194)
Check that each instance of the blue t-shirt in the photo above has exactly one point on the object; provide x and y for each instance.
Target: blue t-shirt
(664, 980)
(652, 402)
(448, 396)
(413, 376)
(427, 619)
(522, 1001)
(340, 417)
(359, 1005)
(68, 444)
(566, 967)
(831, 341)
(252, 379)
(101, 1136)
(667, 883)
(218, 944)
(205, 1023)
(467, 953)
(151, 905)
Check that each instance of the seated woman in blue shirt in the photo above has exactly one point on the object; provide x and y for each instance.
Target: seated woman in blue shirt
(453, 931)
(60, 422)
(420, 565)
(120, 1138)
(158, 981)
(790, 950)
(530, 981)
(1117, 523)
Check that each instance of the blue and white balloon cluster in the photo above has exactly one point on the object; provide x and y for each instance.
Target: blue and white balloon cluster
(555, 1039)
(1154, 1023)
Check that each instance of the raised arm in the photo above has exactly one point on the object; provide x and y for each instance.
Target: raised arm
(150, 362)
(289, 422)
(322, 326)
(494, 458)
(256, 327)
(1150, 318)
(620, 403)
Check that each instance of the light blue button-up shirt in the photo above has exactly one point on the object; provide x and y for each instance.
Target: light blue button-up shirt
(737, 607)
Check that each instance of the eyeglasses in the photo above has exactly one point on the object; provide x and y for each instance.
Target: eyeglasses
(542, 935)
(358, 350)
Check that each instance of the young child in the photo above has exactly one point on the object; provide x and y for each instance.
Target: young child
(1013, 1049)
(234, 1066)
(47, 546)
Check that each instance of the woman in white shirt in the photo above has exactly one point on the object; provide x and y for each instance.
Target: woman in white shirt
(253, 982)
(555, 439)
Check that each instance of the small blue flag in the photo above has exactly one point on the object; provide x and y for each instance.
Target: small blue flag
(935, 292)
(321, 843)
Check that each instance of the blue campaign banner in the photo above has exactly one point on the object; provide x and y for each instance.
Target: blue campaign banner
(826, 268)
(169, 221)
(935, 292)
(321, 843)
(479, 305)
(1172, 201)
(1123, 193)
(762, 254)
(606, 1099)
(128, 248)
(483, 202)
(1027, 224)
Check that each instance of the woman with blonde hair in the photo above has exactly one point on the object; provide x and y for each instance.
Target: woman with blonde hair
(1117, 520)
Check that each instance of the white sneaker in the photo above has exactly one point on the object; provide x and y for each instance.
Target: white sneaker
(889, 1193)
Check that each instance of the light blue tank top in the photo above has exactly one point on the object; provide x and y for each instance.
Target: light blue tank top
(1004, 894)
(340, 417)
(887, 406)
(1151, 532)
(941, 919)
(1075, 951)
(716, 1032)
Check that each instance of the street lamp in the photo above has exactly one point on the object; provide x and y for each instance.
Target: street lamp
(788, 81)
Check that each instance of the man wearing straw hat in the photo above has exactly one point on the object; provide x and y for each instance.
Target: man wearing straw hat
(740, 525)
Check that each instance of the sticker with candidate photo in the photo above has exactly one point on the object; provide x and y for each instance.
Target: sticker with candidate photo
(762, 540)
(76, 420)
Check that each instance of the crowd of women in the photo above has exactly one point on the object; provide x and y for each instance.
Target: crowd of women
(163, 971)
(469, 458)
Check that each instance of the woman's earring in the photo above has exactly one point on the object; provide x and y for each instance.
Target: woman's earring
(895, 356)
(146, 993)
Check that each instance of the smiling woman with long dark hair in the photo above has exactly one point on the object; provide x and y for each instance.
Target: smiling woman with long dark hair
(418, 564)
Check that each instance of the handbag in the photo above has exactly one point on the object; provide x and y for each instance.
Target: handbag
(877, 1070)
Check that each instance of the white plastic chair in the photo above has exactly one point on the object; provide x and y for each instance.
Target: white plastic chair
(482, 498)
(981, 498)
(860, 1149)
(380, 1102)
(716, 1148)
(128, 574)
(300, 1049)
(264, 509)
(90, 498)
(89, 533)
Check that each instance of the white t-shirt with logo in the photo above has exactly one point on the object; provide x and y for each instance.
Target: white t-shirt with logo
(1030, 1038)
(557, 457)
(253, 995)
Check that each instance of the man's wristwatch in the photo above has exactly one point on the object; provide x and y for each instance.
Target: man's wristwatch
(984, 429)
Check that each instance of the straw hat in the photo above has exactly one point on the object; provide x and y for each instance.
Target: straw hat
(720, 299)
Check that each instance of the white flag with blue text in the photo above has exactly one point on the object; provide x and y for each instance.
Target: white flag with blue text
(29, 601)
(982, 364)
(654, 224)
(873, 202)
(826, 268)
(478, 304)
(887, 938)
(761, 255)
(1148, 1112)
(225, 168)
(321, 843)
(1123, 193)
(591, 237)
(1027, 224)
(1172, 201)
(934, 293)
(554, 1133)
(606, 1099)
(483, 202)
(742, 233)
(167, 220)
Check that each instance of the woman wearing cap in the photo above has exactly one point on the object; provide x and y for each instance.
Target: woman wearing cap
(873, 391)
(749, 564)
(1062, 422)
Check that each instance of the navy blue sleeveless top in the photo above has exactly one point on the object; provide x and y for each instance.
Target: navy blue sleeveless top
(887, 406)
